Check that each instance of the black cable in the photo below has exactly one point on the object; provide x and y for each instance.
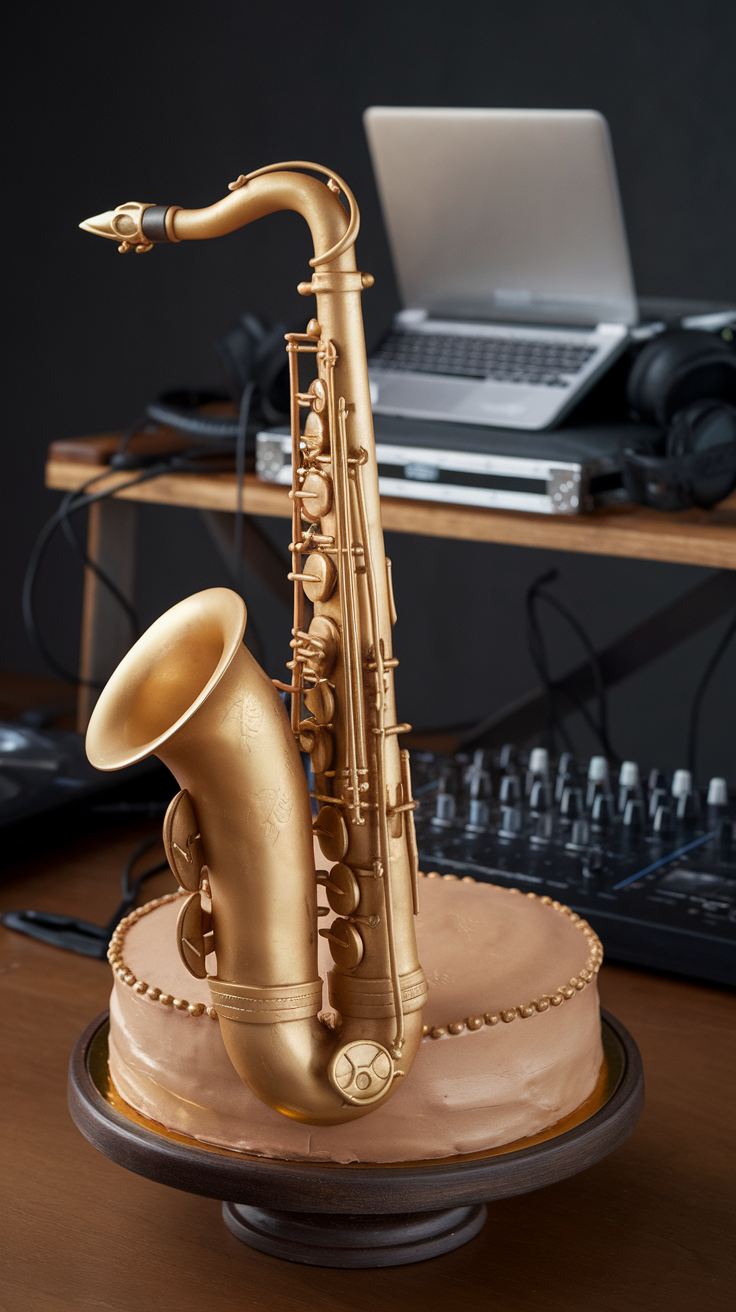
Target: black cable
(538, 653)
(72, 502)
(700, 691)
(596, 729)
(81, 936)
(240, 442)
(131, 891)
(104, 578)
(601, 729)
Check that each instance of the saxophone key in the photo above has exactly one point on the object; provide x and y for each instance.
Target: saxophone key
(318, 743)
(315, 434)
(324, 636)
(319, 577)
(320, 702)
(342, 888)
(317, 394)
(182, 841)
(316, 495)
(345, 942)
(194, 937)
(332, 832)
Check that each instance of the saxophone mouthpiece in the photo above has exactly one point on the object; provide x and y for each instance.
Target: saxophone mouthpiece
(101, 225)
(126, 226)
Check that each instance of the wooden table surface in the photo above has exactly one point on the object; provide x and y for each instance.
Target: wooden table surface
(649, 1228)
(692, 537)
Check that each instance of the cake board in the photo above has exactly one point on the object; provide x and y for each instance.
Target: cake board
(364, 1214)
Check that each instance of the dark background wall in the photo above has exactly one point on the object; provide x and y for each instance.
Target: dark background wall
(169, 103)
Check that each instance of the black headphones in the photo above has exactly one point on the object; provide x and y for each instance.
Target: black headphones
(253, 357)
(684, 382)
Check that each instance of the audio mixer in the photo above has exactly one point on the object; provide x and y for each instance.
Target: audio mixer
(650, 862)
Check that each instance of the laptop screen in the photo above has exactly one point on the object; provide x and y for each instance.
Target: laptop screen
(503, 215)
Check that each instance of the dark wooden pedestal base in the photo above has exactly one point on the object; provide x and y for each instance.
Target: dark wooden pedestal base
(325, 1214)
(324, 1239)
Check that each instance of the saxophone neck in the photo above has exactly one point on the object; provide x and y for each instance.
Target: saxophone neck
(139, 226)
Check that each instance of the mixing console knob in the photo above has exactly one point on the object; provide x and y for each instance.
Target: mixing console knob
(593, 864)
(538, 767)
(682, 782)
(602, 814)
(480, 793)
(507, 757)
(445, 806)
(542, 828)
(598, 769)
(478, 815)
(510, 822)
(633, 815)
(510, 790)
(663, 822)
(595, 789)
(656, 780)
(566, 775)
(628, 783)
(571, 804)
(717, 792)
(598, 778)
(579, 837)
(688, 807)
(657, 798)
(539, 762)
(540, 798)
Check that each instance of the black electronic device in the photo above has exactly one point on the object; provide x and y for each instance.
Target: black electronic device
(48, 789)
(568, 472)
(684, 382)
(650, 862)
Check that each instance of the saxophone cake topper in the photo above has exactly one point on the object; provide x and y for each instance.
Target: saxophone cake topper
(224, 1044)
(240, 835)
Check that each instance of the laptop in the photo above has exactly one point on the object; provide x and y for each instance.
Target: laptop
(510, 253)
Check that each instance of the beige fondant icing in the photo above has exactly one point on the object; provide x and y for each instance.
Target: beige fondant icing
(487, 952)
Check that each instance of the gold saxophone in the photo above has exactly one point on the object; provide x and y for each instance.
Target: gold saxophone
(239, 836)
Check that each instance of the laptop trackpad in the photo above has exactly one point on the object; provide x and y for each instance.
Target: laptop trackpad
(492, 403)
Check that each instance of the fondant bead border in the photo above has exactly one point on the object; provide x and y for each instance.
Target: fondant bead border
(115, 957)
(470, 1024)
(546, 1000)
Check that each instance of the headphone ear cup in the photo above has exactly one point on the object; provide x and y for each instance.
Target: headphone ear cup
(701, 426)
(679, 367)
(637, 389)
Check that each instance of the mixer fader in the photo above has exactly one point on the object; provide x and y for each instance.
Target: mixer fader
(649, 861)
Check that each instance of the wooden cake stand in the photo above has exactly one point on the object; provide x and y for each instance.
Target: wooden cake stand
(360, 1215)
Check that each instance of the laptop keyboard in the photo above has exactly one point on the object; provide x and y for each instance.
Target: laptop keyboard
(500, 359)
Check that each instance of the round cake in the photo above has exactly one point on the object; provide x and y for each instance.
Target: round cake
(512, 1038)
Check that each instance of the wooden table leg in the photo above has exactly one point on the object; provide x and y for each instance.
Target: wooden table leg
(106, 630)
